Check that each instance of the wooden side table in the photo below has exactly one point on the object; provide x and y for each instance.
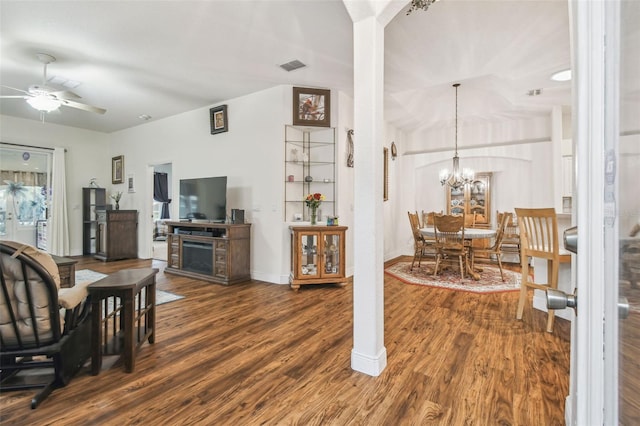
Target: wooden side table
(130, 322)
(67, 270)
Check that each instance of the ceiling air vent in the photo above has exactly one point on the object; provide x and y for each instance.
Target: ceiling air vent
(293, 65)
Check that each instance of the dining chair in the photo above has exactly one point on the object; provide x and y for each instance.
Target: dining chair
(538, 239)
(496, 248)
(469, 220)
(427, 218)
(422, 246)
(449, 233)
(511, 237)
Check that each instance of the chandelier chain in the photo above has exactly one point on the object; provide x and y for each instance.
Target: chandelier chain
(456, 86)
(456, 178)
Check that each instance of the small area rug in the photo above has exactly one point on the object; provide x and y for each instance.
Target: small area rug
(490, 281)
(91, 276)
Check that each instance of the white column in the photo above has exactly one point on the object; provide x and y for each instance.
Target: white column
(368, 354)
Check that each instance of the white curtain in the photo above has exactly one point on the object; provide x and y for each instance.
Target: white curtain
(58, 225)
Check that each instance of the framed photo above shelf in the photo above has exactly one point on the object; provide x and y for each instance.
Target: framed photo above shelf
(311, 107)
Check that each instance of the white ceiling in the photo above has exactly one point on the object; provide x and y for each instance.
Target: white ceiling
(163, 58)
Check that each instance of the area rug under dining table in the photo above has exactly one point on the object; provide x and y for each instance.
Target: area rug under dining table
(490, 281)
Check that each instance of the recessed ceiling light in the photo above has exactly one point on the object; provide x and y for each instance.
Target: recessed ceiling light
(564, 75)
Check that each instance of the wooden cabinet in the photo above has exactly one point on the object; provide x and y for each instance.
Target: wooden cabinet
(213, 252)
(310, 167)
(473, 198)
(93, 200)
(317, 255)
(117, 236)
(67, 270)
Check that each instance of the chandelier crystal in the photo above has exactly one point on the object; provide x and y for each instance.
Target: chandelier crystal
(420, 4)
(456, 178)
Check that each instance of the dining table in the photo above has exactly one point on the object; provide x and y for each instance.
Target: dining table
(469, 234)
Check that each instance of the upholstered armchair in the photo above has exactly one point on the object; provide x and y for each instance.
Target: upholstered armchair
(41, 325)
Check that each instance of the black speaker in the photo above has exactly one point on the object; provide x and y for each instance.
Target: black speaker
(237, 216)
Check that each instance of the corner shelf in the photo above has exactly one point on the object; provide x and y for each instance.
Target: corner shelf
(309, 152)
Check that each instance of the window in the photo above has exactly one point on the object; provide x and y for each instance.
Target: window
(25, 182)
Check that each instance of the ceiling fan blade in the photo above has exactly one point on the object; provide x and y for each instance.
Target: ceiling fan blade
(14, 97)
(13, 88)
(65, 94)
(84, 107)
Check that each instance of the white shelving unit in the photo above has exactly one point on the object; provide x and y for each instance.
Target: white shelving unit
(310, 167)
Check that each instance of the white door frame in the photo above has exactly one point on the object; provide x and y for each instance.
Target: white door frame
(593, 388)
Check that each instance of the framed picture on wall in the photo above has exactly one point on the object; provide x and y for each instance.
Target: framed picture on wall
(311, 107)
(218, 118)
(385, 183)
(117, 169)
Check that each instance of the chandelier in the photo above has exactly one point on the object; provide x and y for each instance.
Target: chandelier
(420, 4)
(456, 179)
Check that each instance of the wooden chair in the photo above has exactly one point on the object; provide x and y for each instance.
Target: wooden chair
(538, 238)
(511, 238)
(496, 248)
(469, 220)
(423, 247)
(427, 218)
(449, 233)
(42, 327)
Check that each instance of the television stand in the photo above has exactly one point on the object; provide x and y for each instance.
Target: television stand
(215, 252)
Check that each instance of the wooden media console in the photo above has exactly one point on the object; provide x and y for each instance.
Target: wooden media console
(216, 252)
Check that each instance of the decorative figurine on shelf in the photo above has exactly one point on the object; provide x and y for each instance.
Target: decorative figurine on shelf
(93, 183)
(116, 197)
(313, 202)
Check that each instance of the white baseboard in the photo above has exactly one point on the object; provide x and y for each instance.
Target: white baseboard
(372, 366)
(568, 411)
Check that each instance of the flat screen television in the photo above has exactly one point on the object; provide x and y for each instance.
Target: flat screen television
(204, 199)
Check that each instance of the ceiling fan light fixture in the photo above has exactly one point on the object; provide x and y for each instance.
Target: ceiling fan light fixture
(44, 103)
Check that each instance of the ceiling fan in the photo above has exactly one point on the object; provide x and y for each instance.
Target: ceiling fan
(47, 99)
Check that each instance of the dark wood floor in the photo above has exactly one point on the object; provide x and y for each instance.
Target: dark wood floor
(258, 353)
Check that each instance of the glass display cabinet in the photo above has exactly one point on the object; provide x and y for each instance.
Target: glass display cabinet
(473, 198)
(317, 255)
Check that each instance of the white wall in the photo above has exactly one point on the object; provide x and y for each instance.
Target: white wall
(250, 154)
(87, 156)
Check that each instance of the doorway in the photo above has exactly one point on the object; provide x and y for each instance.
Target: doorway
(162, 177)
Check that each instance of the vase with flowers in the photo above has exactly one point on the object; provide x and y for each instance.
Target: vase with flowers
(116, 197)
(313, 202)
